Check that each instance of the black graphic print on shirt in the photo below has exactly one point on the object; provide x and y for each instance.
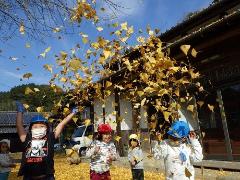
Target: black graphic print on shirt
(37, 149)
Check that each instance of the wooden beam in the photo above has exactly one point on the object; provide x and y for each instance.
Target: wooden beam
(225, 126)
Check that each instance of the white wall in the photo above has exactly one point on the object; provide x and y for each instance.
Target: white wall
(110, 115)
(143, 120)
(126, 114)
(189, 116)
(98, 113)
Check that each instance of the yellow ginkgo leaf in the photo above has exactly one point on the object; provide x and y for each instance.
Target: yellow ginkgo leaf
(87, 122)
(85, 40)
(27, 75)
(140, 93)
(99, 28)
(22, 29)
(39, 109)
(27, 45)
(190, 108)
(166, 115)
(200, 103)
(75, 64)
(211, 107)
(26, 106)
(36, 89)
(124, 26)
(185, 49)
(48, 67)
(75, 119)
(194, 52)
(117, 138)
(28, 91)
(106, 53)
(108, 84)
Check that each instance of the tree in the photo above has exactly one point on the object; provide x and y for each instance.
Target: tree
(39, 18)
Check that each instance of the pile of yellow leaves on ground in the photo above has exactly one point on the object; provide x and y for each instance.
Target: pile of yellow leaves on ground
(65, 171)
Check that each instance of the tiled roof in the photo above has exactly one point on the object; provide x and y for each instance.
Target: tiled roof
(9, 118)
(8, 121)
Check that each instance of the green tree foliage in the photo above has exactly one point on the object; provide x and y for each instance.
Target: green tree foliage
(31, 94)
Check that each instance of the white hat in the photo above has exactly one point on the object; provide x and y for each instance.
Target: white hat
(6, 141)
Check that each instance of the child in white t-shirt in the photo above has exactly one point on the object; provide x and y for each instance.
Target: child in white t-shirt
(6, 162)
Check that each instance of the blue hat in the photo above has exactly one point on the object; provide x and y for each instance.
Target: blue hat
(38, 118)
(179, 129)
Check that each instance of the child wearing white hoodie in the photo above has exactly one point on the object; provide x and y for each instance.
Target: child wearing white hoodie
(179, 152)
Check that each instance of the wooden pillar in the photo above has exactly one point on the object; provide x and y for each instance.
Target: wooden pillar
(119, 133)
(103, 97)
(136, 119)
(225, 126)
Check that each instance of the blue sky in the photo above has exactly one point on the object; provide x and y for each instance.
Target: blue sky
(162, 14)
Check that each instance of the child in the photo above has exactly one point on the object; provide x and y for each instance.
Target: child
(135, 157)
(102, 152)
(5, 160)
(37, 158)
(179, 152)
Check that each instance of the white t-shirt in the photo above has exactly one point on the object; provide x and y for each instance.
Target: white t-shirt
(5, 162)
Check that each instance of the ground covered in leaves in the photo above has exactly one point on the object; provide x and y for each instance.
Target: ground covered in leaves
(75, 172)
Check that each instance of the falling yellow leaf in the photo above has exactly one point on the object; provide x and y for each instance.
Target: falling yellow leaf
(22, 29)
(28, 91)
(143, 102)
(36, 89)
(124, 26)
(39, 109)
(106, 53)
(27, 45)
(194, 52)
(200, 103)
(48, 67)
(75, 64)
(75, 119)
(185, 49)
(166, 115)
(108, 84)
(99, 28)
(140, 93)
(56, 30)
(45, 52)
(117, 138)
(211, 107)
(87, 122)
(26, 106)
(27, 75)
(190, 108)
(85, 40)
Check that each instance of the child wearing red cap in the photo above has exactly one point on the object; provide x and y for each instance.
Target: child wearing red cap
(102, 152)
(37, 157)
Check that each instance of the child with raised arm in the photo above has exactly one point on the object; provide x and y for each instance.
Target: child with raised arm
(179, 152)
(6, 162)
(37, 157)
(135, 157)
(102, 152)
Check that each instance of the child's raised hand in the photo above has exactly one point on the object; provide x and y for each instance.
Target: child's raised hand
(20, 107)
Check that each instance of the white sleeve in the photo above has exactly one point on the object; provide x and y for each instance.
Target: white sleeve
(196, 154)
(114, 151)
(3, 163)
(160, 150)
(90, 150)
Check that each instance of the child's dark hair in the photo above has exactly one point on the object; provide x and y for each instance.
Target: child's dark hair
(129, 142)
(1, 143)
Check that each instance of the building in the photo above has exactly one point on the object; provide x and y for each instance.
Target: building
(8, 128)
(215, 34)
